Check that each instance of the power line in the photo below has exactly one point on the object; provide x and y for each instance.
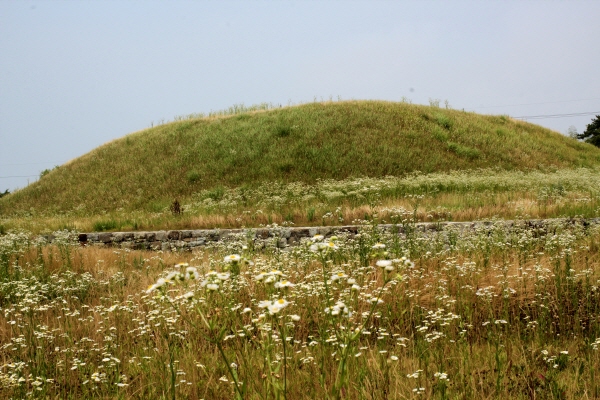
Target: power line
(34, 163)
(17, 176)
(559, 115)
(533, 104)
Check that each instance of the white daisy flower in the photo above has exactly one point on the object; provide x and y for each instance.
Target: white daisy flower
(233, 258)
(284, 284)
(383, 263)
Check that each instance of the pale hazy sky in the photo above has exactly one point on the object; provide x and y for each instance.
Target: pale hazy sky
(74, 75)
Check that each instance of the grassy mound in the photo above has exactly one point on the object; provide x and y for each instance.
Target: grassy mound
(147, 170)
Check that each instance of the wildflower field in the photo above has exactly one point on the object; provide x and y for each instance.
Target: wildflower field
(493, 312)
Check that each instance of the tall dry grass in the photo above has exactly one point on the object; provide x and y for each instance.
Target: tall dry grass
(495, 312)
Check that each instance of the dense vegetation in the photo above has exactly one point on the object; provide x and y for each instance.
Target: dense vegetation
(496, 312)
(592, 132)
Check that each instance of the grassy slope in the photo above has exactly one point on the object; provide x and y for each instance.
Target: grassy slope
(150, 168)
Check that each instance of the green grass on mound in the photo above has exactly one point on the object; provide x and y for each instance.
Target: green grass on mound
(148, 169)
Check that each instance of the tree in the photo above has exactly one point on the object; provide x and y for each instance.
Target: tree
(592, 132)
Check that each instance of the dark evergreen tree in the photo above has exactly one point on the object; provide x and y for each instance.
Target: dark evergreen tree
(592, 132)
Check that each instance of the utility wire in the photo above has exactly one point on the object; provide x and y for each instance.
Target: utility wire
(33, 163)
(559, 115)
(533, 104)
(17, 176)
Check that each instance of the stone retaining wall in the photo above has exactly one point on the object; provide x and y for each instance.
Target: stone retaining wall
(189, 239)
(280, 236)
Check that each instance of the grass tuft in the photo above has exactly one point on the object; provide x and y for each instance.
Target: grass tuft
(463, 151)
(106, 225)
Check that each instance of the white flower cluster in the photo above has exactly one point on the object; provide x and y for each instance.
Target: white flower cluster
(213, 279)
(190, 273)
(442, 376)
(272, 276)
(339, 308)
(183, 272)
(320, 244)
(275, 278)
(273, 306)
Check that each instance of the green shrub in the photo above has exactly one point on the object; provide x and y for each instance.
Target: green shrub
(216, 193)
(283, 131)
(100, 226)
(193, 176)
(47, 171)
(286, 167)
(310, 215)
(463, 151)
(440, 134)
(443, 121)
